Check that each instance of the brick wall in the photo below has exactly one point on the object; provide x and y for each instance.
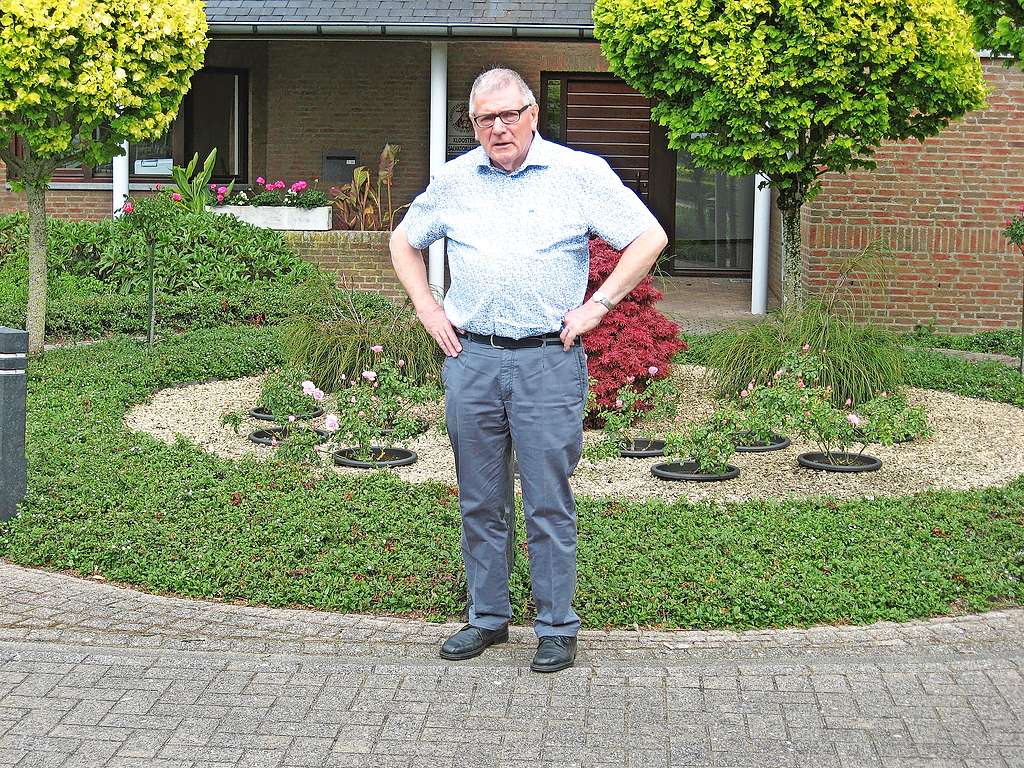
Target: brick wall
(940, 205)
(360, 258)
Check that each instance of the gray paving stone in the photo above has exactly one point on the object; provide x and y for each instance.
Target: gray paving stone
(293, 689)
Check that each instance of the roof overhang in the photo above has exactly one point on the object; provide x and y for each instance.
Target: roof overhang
(240, 29)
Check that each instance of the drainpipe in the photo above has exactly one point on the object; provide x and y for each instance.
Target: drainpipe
(762, 235)
(120, 185)
(13, 357)
(438, 146)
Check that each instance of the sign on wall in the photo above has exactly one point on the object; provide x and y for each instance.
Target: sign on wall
(460, 129)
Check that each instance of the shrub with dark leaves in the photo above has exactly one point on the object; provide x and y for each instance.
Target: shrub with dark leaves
(634, 342)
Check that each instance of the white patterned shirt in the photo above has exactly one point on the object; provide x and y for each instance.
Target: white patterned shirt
(517, 242)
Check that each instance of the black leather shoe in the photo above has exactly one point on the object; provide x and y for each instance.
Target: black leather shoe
(471, 641)
(555, 652)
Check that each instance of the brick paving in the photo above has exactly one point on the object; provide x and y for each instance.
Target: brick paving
(706, 304)
(95, 675)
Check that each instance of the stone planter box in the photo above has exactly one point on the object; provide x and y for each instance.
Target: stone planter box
(283, 217)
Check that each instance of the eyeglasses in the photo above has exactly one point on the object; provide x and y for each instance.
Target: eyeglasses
(508, 117)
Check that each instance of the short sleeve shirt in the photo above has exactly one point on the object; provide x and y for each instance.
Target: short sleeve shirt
(518, 250)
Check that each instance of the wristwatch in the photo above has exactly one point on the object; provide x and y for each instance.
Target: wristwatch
(600, 298)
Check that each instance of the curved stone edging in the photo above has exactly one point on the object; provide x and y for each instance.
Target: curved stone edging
(50, 607)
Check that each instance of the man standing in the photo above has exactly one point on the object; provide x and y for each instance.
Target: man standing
(517, 212)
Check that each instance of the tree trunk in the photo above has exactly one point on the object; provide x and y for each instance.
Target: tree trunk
(35, 321)
(792, 263)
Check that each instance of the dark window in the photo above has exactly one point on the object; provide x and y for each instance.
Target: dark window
(215, 113)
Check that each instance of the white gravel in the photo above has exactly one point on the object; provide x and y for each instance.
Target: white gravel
(976, 444)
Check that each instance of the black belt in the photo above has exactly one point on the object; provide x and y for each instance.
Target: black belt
(504, 342)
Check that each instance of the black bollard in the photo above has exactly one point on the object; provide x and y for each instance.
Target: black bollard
(13, 470)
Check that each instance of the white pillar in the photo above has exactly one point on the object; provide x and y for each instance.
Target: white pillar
(438, 147)
(120, 186)
(762, 236)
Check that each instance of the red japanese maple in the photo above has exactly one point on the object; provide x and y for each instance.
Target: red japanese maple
(631, 339)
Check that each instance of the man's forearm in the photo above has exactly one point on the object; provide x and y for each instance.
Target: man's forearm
(411, 271)
(635, 262)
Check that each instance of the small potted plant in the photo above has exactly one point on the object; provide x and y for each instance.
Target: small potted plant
(890, 419)
(373, 414)
(834, 432)
(706, 449)
(766, 413)
(619, 436)
(282, 401)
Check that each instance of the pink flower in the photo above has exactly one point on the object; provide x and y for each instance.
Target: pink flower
(849, 402)
(744, 393)
(377, 348)
(260, 180)
(222, 190)
(220, 198)
(318, 395)
(630, 379)
(273, 441)
(158, 187)
(278, 184)
(778, 375)
(213, 186)
(800, 383)
(128, 207)
(653, 370)
(853, 418)
(308, 387)
(618, 403)
(805, 347)
(353, 401)
(331, 423)
(370, 375)
(298, 186)
(291, 419)
(807, 414)
(361, 413)
(401, 363)
(176, 197)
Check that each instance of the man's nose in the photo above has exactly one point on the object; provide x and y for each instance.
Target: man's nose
(499, 127)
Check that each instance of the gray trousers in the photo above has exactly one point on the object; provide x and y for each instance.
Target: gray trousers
(531, 399)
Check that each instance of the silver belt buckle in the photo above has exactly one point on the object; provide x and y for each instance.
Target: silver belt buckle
(491, 341)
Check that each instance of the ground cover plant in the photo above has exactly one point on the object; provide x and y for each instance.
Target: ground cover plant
(106, 501)
(1001, 342)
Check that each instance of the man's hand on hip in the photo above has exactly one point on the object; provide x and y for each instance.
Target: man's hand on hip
(436, 322)
(581, 320)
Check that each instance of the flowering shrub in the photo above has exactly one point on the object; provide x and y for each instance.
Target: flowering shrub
(659, 395)
(634, 342)
(373, 409)
(890, 418)
(710, 443)
(298, 194)
(281, 395)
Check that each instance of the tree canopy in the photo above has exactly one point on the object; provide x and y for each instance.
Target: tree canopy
(792, 88)
(999, 26)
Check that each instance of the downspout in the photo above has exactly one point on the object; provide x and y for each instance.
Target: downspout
(438, 145)
(761, 238)
(119, 188)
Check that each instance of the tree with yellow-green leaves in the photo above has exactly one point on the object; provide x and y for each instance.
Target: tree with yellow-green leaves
(793, 89)
(77, 79)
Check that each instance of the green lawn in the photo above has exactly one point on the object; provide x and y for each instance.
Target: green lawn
(104, 500)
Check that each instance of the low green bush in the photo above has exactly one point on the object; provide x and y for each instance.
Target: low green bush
(1001, 342)
(195, 251)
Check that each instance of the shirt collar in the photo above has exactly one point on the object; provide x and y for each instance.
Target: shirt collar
(538, 155)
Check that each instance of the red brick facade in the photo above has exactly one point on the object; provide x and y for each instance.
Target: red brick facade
(940, 205)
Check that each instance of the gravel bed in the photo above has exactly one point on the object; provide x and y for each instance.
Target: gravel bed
(976, 444)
